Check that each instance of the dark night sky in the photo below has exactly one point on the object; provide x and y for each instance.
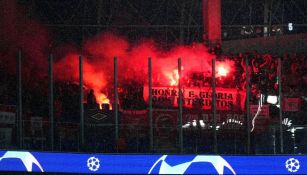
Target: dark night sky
(137, 18)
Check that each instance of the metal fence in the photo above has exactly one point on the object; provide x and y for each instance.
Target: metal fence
(282, 132)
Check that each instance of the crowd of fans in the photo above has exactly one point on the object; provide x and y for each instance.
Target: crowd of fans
(263, 74)
(262, 70)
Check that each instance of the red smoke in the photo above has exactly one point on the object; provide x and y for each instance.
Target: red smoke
(67, 69)
(98, 54)
(132, 62)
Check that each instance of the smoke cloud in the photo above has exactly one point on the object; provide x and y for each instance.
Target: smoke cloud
(98, 53)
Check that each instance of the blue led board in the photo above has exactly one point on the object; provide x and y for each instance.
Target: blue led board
(150, 164)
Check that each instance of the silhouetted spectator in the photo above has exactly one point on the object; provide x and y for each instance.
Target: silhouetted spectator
(91, 100)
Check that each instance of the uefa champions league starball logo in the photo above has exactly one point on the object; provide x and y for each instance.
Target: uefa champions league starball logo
(93, 163)
(292, 165)
(26, 158)
(163, 167)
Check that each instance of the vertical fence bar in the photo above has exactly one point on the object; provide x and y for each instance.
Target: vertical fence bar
(19, 100)
(281, 136)
(150, 103)
(214, 107)
(81, 100)
(180, 106)
(247, 105)
(51, 116)
(115, 99)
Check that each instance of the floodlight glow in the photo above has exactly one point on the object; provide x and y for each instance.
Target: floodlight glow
(194, 123)
(202, 124)
(272, 99)
(187, 125)
(290, 26)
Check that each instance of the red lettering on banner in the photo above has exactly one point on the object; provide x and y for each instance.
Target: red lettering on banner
(226, 98)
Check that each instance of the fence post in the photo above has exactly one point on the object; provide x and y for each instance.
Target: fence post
(50, 60)
(19, 100)
(115, 101)
(150, 102)
(81, 99)
(281, 135)
(214, 107)
(247, 105)
(180, 106)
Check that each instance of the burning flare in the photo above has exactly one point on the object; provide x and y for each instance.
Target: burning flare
(223, 68)
(173, 77)
(101, 98)
(221, 71)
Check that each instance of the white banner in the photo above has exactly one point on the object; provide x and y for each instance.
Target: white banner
(226, 98)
